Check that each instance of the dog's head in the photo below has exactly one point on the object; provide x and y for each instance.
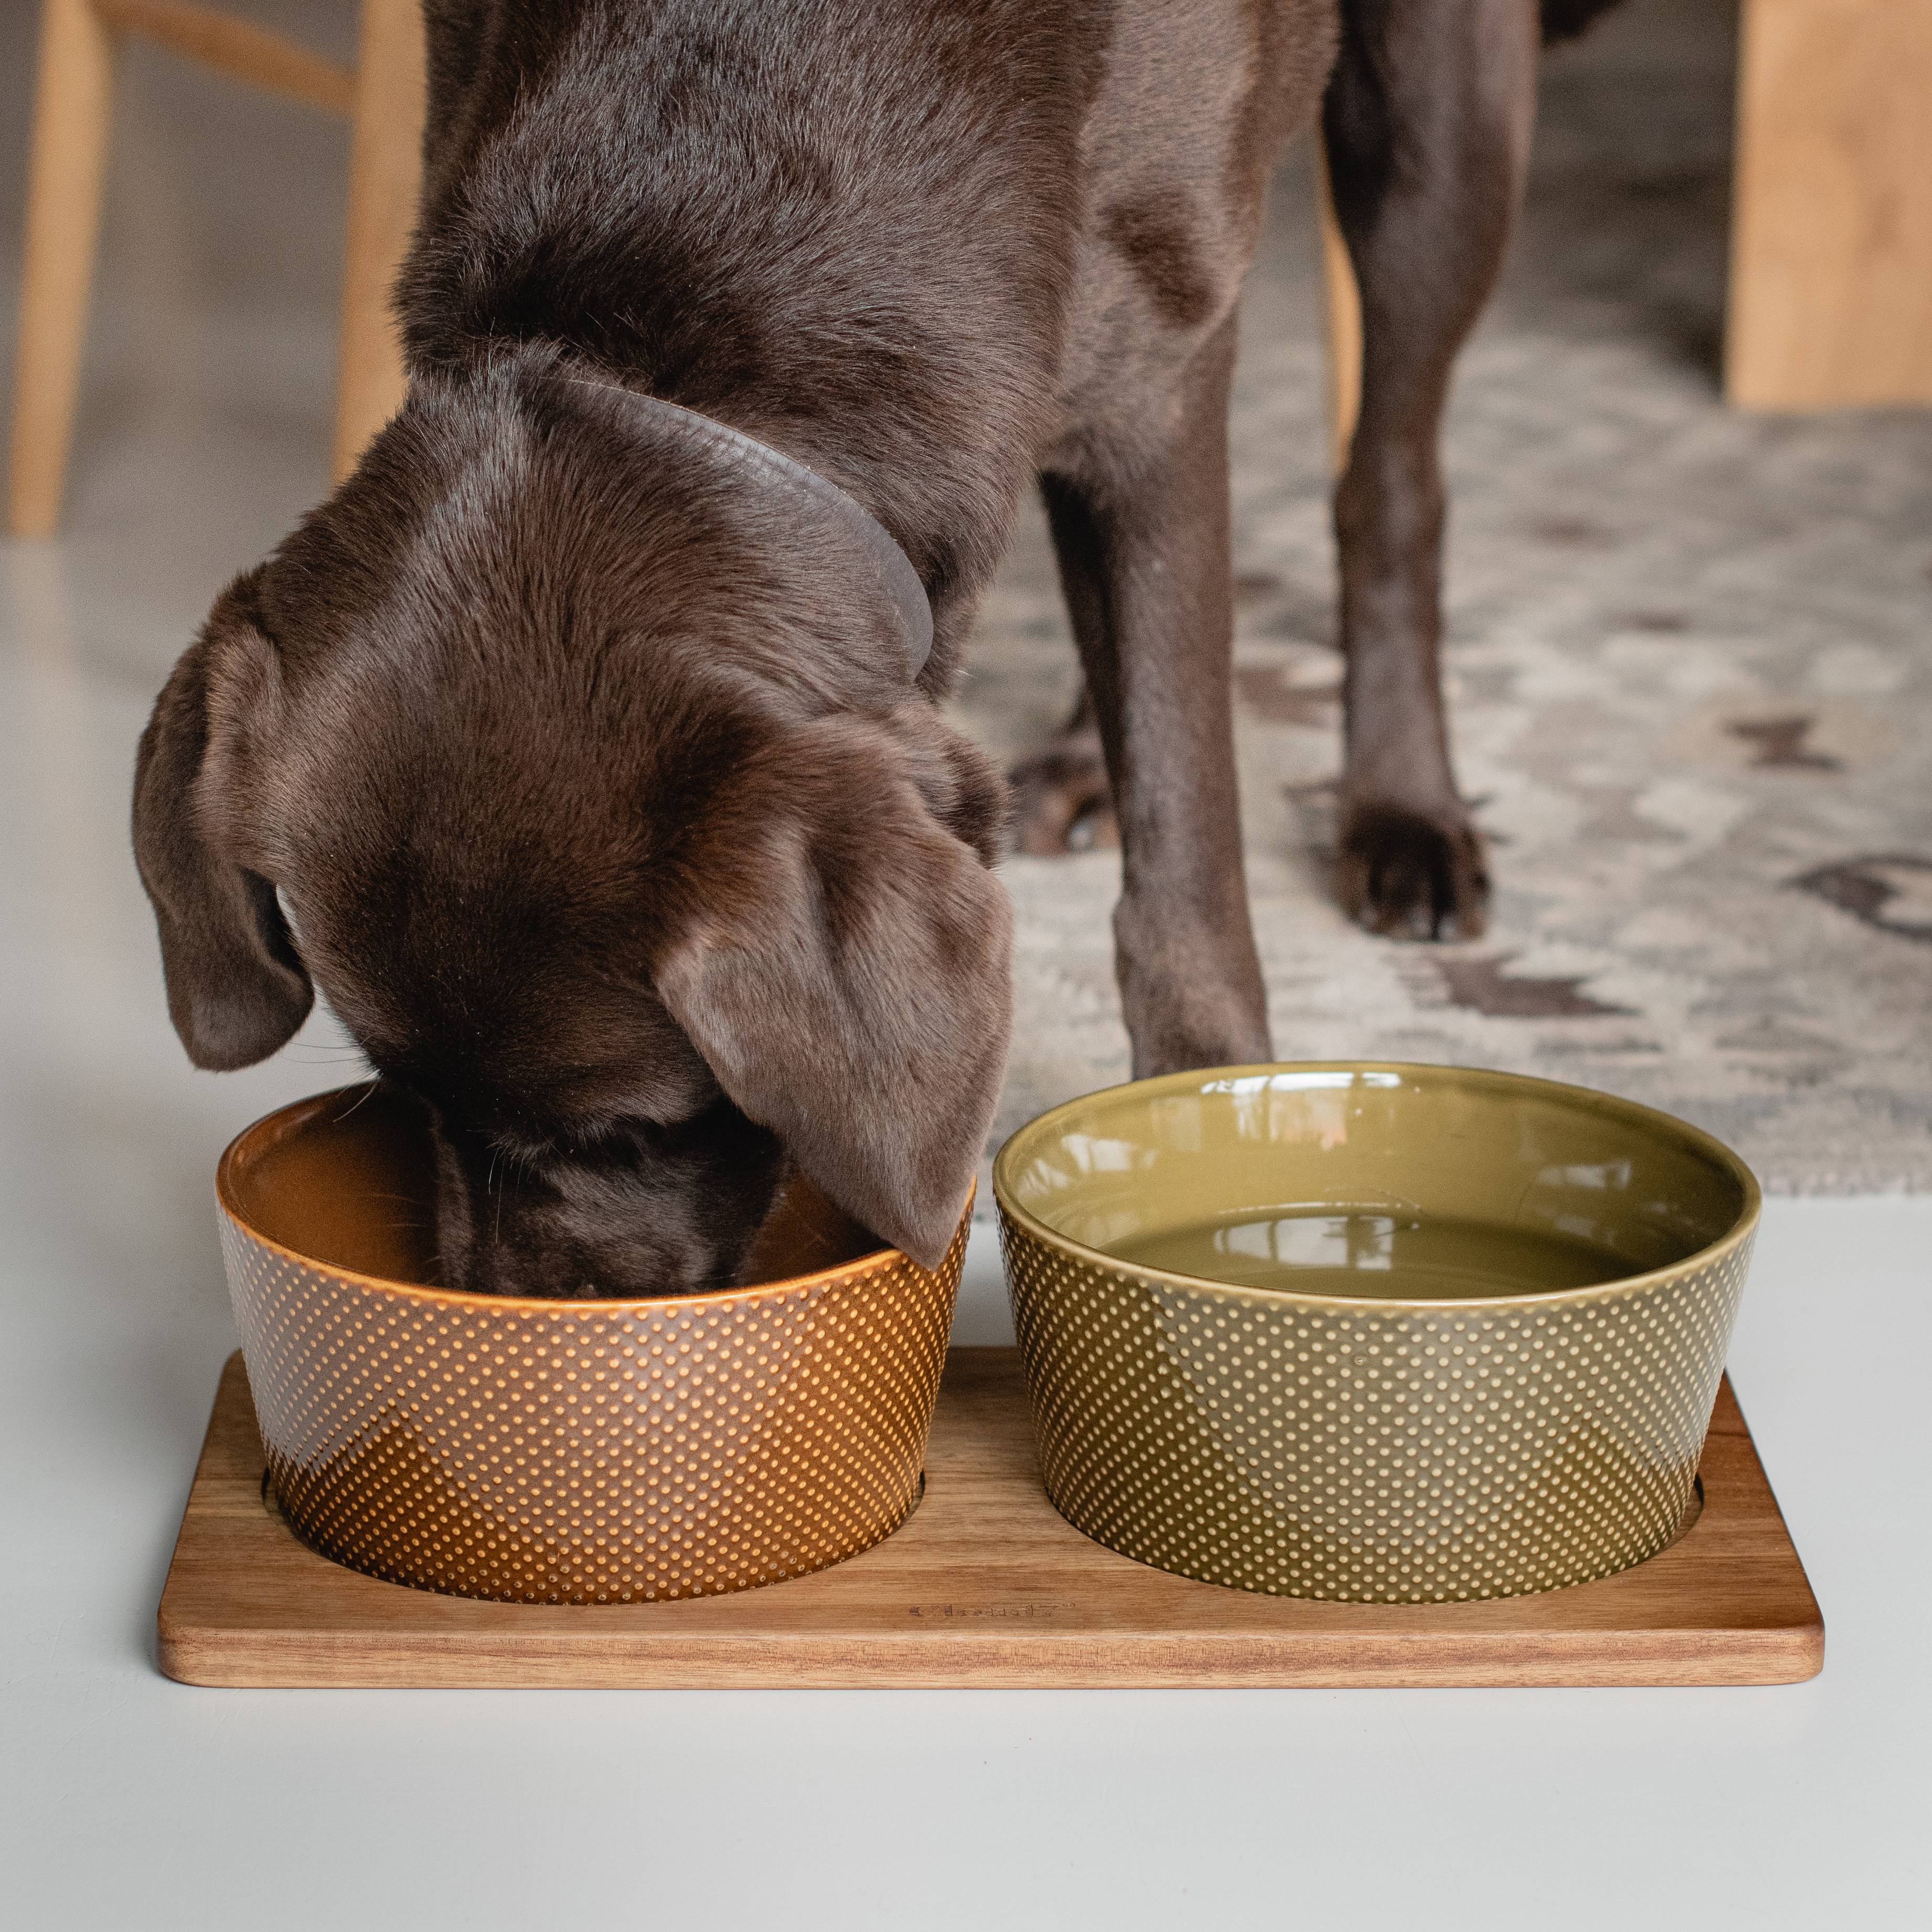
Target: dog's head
(591, 787)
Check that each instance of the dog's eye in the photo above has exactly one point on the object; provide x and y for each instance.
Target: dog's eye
(523, 1147)
(593, 1140)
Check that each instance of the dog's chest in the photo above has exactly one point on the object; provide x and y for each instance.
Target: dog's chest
(1194, 106)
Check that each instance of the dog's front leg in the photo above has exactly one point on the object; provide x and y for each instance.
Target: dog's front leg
(1139, 513)
(1427, 123)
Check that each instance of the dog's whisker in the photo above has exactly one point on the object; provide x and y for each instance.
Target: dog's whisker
(490, 1187)
(374, 1082)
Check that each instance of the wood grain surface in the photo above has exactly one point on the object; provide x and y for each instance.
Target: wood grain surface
(985, 1585)
(1830, 299)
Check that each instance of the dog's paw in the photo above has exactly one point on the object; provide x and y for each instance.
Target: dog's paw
(1409, 872)
(1061, 800)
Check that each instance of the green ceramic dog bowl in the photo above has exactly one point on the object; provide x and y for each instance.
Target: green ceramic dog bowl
(1381, 1333)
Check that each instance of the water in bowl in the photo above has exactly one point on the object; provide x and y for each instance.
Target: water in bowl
(1375, 1253)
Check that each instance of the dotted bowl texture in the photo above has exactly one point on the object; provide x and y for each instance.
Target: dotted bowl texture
(589, 1452)
(1365, 1450)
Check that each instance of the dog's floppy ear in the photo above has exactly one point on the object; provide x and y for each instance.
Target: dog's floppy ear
(846, 975)
(236, 989)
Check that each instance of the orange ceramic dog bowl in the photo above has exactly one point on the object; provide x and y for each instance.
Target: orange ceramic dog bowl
(566, 1452)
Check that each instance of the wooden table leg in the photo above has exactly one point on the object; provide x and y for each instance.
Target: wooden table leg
(1342, 316)
(74, 107)
(385, 177)
(1831, 295)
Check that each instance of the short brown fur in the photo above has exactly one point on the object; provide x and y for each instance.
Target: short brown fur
(587, 782)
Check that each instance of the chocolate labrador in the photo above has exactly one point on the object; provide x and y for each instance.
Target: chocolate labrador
(582, 747)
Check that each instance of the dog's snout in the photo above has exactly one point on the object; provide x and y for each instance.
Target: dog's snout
(644, 1215)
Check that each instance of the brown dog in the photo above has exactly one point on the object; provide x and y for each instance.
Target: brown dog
(573, 747)
(1426, 125)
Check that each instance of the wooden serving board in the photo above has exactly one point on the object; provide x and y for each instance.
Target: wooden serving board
(986, 1585)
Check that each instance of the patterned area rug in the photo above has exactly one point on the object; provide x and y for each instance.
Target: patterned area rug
(1691, 673)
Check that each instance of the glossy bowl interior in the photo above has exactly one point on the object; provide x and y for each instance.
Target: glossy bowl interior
(553, 1451)
(348, 1180)
(1120, 1172)
(1438, 1332)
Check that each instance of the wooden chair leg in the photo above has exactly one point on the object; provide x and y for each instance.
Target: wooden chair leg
(385, 177)
(237, 48)
(1342, 315)
(74, 107)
